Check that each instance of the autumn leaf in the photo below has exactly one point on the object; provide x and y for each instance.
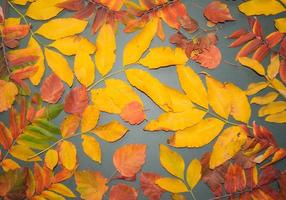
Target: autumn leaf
(90, 184)
(272, 108)
(193, 173)
(122, 192)
(172, 161)
(62, 189)
(216, 12)
(172, 185)
(265, 99)
(133, 113)
(84, 69)
(22, 152)
(129, 159)
(280, 24)
(252, 64)
(70, 125)
(52, 89)
(256, 7)
(235, 179)
(5, 136)
(89, 119)
(68, 155)
(51, 159)
(91, 148)
(61, 27)
(9, 165)
(209, 57)
(8, 93)
(76, 100)
(149, 187)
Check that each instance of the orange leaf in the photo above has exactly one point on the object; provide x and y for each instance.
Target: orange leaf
(122, 192)
(76, 101)
(133, 113)
(235, 179)
(129, 159)
(6, 138)
(7, 94)
(217, 11)
(52, 89)
(67, 154)
(209, 57)
(70, 125)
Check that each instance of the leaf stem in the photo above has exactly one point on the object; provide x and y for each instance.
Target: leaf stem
(192, 194)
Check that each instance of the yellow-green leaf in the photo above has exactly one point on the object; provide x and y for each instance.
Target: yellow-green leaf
(62, 189)
(252, 64)
(172, 161)
(84, 69)
(106, 46)
(227, 145)
(163, 57)
(261, 7)
(43, 9)
(280, 24)
(24, 153)
(173, 185)
(272, 108)
(134, 49)
(277, 118)
(89, 118)
(173, 121)
(71, 45)
(91, 148)
(219, 97)
(61, 27)
(67, 155)
(51, 159)
(9, 164)
(59, 66)
(265, 99)
(253, 88)
(114, 97)
(198, 135)
(194, 173)
(192, 85)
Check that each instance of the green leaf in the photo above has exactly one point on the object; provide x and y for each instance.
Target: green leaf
(43, 131)
(52, 111)
(45, 124)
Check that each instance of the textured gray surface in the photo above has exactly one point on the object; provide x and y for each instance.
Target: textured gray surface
(238, 75)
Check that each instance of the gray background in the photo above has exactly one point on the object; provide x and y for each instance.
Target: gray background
(238, 75)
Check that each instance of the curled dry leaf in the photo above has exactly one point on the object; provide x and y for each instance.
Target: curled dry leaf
(216, 12)
(76, 100)
(133, 113)
(52, 89)
(8, 93)
(149, 187)
(122, 192)
(129, 159)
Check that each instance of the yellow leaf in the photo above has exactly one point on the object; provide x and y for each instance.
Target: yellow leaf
(280, 24)
(84, 69)
(110, 132)
(60, 66)
(173, 185)
(91, 148)
(51, 159)
(227, 145)
(167, 98)
(51, 195)
(61, 27)
(114, 97)
(192, 85)
(43, 9)
(277, 118)
(70, 125)
(218, 96)
(279, 86)
(198, 135)
(23, 153)
(272, 108)
(106, 45)
(37, 77)
(265, 99)
(178, 197)
(20, 2)
(71, 45)
(253, 88)
(194, 173)
(9, 164)
(67, 155)
(252, 64)
(240, 107)
(134, 49)
(62, 189)
(163, 57)
(172, 121)
(273, 68)
(172, 161)
(89, 118)
(7, 95)
(261, 7)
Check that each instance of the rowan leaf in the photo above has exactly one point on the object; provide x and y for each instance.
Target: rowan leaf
(122, 192)
(216, 12)
(277, 118)
(84, 69)
(51, 159)
(167, 57)
(272, 108)
(193, 173)
(209, 57)
(265, 99)
(227, 145)
(70, 125)
(9, 165)
(91, 185)
(280, 24)
(273, 67)
(91, 148)
(62, 189)
(68, 155)
(76, 100)
(59, 66)
(172, 161)
(52, 89)
(254, 88)
(8, 93)
(111, 131)
(252, 64)
(129, 159)
(89, 119)
(134, 49)
(173, 185)
(258, 7)
(197, 135)
(24, 153)
(133, 113)
(235, 179)
(5, 136)
(106, 46)
(61, 27)
(149, 187)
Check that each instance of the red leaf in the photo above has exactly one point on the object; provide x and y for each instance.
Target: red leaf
(282, 49)
(268, 175)
(122, 192)
(282, 184)
(217, 11)
(242, 39)
(52, 89)
(237, 33)
(209, 58)
(251, 177)
(149, 187)
(235, 179)
(23, 73)
(85, 12)
(73, 5)
(273, 39)
(76, 101)
(14, 33)
(263, 134)
(129, 159)
(6, 138)
(257, 28)
(133, 113)
(261, 52)
(249, 48)
(282, 70)
(1, 15)
(13, 123)
(99, 19)
(62, 175)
